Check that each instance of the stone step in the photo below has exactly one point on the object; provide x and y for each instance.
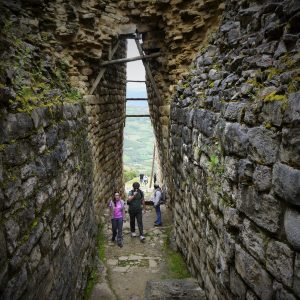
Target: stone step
(179, 289)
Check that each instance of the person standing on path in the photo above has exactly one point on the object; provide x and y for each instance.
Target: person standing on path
(136, 204)
(141, 178)
(156, 201)
(117, 215)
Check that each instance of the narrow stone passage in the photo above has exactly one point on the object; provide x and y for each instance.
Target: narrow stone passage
(129, 268)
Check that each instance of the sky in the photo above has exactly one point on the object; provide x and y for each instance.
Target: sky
(135, 71)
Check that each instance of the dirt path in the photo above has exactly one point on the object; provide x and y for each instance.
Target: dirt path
(130, 267)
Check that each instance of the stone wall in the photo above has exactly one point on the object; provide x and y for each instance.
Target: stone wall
(47, 231)
(60, 148)
(234, 151)
(229, 156)
(106, 111)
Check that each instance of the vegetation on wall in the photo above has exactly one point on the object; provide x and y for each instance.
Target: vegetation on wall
(29, 77)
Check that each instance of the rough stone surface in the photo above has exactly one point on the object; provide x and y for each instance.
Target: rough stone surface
(292, 229)
(286, 183)
(262, 178)
(35, 199)
(290, 146)
(296, 285)
(292, 114)
(263, 146)
(233, 115)
(265, 210)
(280, 262)
(170, 288)
(253, 274)
(243, 174)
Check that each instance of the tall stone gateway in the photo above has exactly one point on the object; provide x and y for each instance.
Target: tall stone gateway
(225, 109)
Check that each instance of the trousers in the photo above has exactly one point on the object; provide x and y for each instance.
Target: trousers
(117, 228)
(138, 215)
(158, 215)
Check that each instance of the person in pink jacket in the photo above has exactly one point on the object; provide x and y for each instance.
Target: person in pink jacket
(117, 215)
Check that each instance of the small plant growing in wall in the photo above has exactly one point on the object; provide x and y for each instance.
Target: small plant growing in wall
(214, 161)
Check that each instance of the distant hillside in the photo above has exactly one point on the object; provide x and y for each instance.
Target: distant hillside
(138, 139)
(138, 134)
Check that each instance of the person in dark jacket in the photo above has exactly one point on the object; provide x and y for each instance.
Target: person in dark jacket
(136, 204)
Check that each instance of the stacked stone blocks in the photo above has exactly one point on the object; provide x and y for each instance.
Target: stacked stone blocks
(47, 215)
(234, 152)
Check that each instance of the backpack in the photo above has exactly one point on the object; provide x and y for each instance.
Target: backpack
(162, 198)
(132, 191)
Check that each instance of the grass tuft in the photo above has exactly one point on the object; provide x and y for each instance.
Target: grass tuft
(175, 260)
(94, 276)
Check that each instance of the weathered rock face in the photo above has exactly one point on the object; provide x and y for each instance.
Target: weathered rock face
(60, 148)
(106, 111)
(234, 152)
(47, 215)
(229, 155)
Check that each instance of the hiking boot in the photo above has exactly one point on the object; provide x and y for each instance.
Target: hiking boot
(133, 234)
(142, 238)
(155, 224)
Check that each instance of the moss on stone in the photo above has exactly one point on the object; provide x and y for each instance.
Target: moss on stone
(272, 72)
(175, 260)
(274, 97)
(92, 280)
(2, 147)
(267, 125)
(37, 82)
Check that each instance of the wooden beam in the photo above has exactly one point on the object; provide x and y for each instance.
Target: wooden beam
(137, 116)
(136, 81)
(148, 71)
(125, 60)
(152, 168)
(111, 53)
(137, 99)
(128, 36)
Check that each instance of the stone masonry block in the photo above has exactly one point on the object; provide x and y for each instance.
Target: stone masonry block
(235, 139)
(40, 117)
(262, 178)
(263, 145)
(237, 286)
(286, 183)
(292, 227)
(205, 121)
(281, 293)
(296, 285)
(264, 210)
(230, 168)
(16, 286)
(14, 126)
(254, 240)
(292, 113)
(245, 171)
(253, 274)
(290, 146)
(280, 262)
(3, 249)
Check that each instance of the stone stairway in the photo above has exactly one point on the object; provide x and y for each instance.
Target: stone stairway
(140, 271)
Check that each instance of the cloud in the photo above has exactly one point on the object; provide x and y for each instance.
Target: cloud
(135, 69)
